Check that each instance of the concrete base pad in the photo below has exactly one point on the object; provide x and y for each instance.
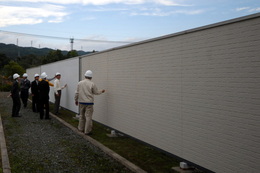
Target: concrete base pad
(178, 169)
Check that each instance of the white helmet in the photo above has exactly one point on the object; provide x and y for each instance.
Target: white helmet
(25, 75)
(44, 75)
(36, 75)
(15, 76)
(57, 74)
(88, 73)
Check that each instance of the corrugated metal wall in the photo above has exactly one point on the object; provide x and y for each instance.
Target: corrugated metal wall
(194, 94)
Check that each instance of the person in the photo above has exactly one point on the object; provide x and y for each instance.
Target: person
(35, 93)
(25, 86)
(44, 90)
(84, 97)
(15, 96)
(48, 80)
(57, 92)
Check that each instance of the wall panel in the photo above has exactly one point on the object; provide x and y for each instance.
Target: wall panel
(69, 70)
(193, 94)
(32, 71)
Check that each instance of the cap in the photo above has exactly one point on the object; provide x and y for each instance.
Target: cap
(88, 73)
(44, 75)
(15, 76)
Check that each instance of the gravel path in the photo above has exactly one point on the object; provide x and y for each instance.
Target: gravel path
(48, 146)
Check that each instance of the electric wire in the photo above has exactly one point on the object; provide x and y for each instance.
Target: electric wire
(62, 38)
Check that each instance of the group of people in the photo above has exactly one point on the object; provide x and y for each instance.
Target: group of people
(40, 88)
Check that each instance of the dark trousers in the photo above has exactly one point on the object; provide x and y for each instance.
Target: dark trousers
(44, 104)
(35, 103)
(57, 102)
(24, 96)
(16, 106)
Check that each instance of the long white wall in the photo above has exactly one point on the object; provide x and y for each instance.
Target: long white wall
(69, 70)
(194, 94)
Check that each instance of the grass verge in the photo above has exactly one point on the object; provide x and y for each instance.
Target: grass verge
(145, 156)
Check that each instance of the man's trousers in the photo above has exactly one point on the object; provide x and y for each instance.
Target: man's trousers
(35, 103)
(57, 102)
(85, 119)
(44, 104)
(24, 97)
(16, 106)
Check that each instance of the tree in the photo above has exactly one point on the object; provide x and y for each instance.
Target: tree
(28, 61)
(3, 60)
(52, 56)
(11, 68)
(72, 53)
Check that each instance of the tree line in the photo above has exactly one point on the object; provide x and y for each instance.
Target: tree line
(10, 65)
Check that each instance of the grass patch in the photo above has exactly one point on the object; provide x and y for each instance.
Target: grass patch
(145, 156)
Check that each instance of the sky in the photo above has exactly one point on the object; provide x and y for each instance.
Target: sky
(104, 24)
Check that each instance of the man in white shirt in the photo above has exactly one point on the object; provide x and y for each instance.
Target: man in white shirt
(84, 97)
(57, 92)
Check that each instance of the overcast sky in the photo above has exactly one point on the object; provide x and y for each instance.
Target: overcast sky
(109, 20)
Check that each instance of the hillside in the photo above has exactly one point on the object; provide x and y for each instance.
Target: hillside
(12, 51)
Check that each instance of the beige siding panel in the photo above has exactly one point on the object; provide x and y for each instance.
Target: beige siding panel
(195, 95)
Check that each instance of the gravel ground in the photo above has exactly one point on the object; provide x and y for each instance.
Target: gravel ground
(47, 146)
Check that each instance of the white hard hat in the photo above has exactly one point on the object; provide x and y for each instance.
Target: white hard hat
(88, 73)
(44, 75)
(16, 75)
(25, 75)
(57, 73)
(36, 75)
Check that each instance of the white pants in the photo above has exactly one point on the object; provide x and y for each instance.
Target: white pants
(85, 119)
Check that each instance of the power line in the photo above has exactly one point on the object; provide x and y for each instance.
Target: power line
(62, 38)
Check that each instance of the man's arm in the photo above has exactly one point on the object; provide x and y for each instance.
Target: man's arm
(96, 91)
(77, 95)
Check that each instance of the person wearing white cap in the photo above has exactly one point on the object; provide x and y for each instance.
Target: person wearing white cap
(44, 90)
(57, 92)
(35, 93)
(48, 80)
(15, 96)
(25, 86)
(84, 97)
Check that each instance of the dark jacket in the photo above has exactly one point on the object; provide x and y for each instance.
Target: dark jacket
(15, 89)
(25, 84)
(44, 90)
(35, 88)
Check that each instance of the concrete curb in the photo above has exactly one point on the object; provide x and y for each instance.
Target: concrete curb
(4, 154)
(108, 151)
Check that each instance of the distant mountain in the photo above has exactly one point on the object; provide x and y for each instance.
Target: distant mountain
(12, 51)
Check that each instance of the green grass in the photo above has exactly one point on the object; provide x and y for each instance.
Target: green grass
(145, 156)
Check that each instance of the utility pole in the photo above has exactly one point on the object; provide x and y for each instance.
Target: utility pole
(71, 43)
(18, 51)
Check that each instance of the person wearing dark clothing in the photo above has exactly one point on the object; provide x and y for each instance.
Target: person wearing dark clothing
(25, 86)
(15, 96)
(35, 93)
(44, 90)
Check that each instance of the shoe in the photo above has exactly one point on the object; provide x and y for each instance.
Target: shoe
(90, 133)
